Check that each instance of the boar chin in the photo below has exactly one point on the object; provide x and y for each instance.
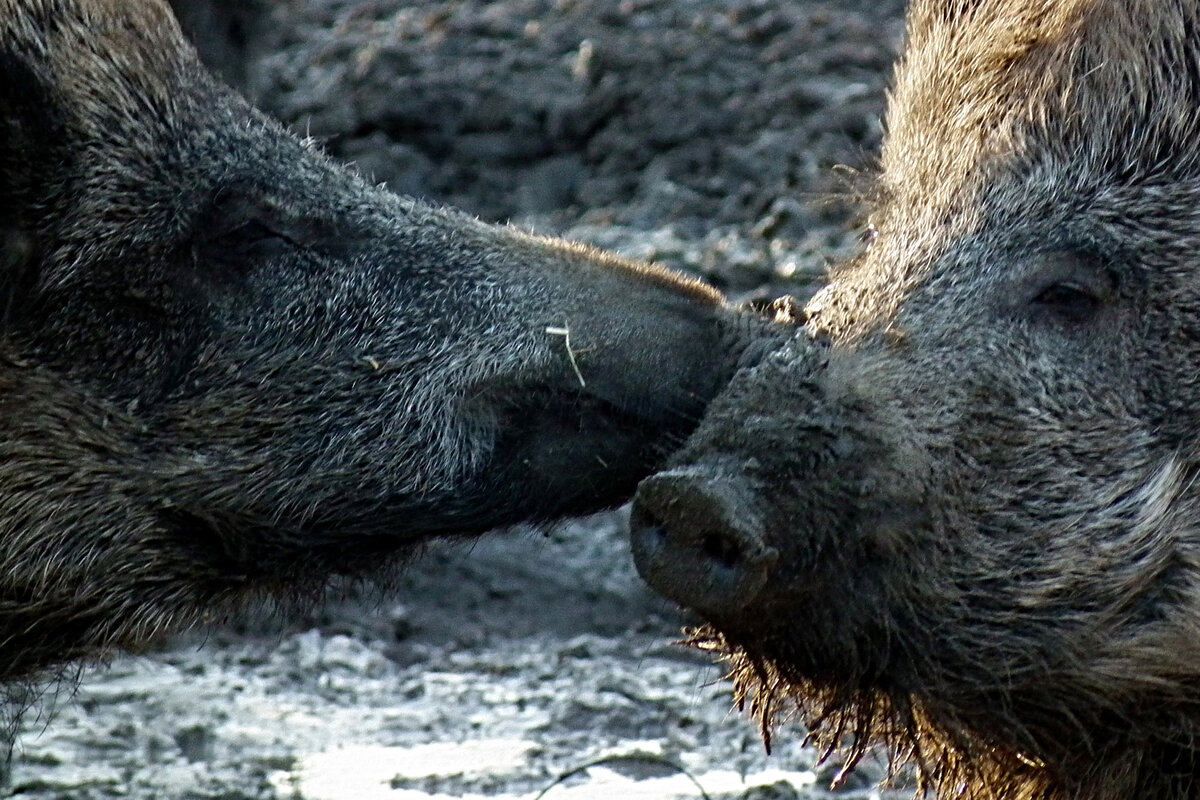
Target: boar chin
(849, 720)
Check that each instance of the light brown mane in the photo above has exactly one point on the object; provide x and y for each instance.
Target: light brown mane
(990, 81)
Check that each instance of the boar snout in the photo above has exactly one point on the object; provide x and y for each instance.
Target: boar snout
(696, 541)
(625, 383)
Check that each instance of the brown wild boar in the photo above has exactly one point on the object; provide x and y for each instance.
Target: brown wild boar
(958, 514)
(231, 368)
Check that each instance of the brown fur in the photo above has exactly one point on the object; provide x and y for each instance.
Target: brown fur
(957, 515)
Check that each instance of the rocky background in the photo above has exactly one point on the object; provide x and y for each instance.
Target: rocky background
(721, 137)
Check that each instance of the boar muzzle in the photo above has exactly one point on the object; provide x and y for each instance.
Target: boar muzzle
(696, 541)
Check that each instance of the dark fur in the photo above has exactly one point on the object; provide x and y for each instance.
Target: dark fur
(969, 486)
(230, 367)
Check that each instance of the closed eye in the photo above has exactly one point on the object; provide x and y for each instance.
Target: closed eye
(257, 237)
(1069, 288)
(1068, 301)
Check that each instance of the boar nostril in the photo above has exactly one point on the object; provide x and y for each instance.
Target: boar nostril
(694, 542)
(721, 550)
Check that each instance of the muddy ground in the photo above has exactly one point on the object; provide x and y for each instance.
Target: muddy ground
(704, 134)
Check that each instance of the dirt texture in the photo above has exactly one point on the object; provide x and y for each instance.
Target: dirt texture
(703, 134)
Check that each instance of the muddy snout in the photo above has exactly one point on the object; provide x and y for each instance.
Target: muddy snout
(696, 541)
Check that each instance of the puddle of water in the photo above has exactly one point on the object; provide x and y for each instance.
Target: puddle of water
(605, 784)
(367, 772)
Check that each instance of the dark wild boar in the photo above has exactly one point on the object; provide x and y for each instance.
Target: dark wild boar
(231, 368)
(959, 513)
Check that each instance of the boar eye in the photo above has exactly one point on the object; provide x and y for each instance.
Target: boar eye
(227, 248)
(256, 237)
(1070, 288)
(1069, 301)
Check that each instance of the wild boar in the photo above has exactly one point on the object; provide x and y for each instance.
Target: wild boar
(958, 514)
(230, 368)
